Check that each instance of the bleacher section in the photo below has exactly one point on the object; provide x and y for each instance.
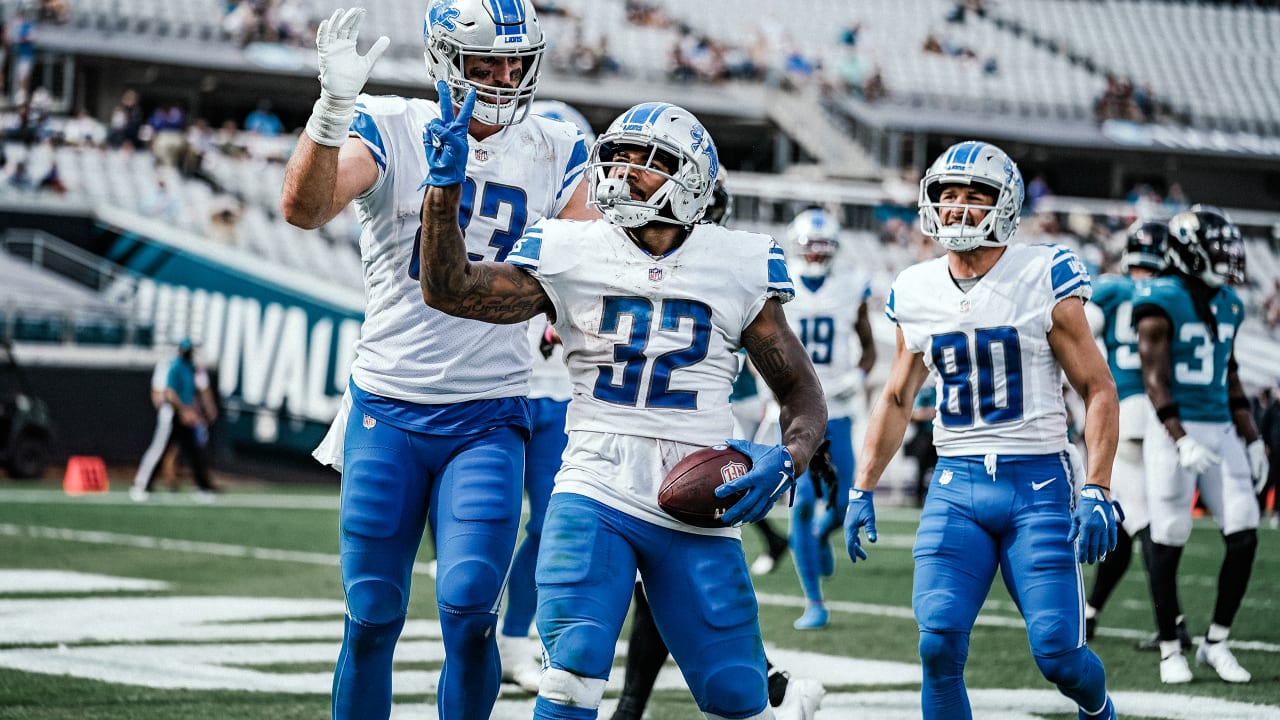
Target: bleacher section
(1218, 64)
(1214, 64)
(131, 181)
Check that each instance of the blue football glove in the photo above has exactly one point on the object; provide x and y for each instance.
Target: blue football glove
(861, 513)
(1095, 526)
(772, 472)
(445, 140)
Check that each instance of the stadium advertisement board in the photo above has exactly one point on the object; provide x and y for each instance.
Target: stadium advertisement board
(282, 342)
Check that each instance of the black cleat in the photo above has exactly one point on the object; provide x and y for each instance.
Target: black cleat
(1090, 628)
(1153, 643)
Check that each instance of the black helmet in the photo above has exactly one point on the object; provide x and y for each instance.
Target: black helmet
(1144, 245)
(1204, 243)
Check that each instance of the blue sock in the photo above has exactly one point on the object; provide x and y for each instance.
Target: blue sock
(472, 671)
(362, 679)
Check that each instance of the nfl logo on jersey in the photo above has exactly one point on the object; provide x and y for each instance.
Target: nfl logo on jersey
(655, 274)
(481, 154)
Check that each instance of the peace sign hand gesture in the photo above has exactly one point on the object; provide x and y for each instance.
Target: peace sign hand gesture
(445, 140)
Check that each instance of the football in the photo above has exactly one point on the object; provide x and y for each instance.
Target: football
(688, 493)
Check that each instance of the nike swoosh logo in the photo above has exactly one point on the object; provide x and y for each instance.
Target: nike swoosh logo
(1101, 512)
(1041, 485)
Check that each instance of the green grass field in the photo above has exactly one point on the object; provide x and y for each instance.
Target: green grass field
(173, 609)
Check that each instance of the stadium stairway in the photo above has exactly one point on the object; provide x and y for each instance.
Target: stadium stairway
(800, 115)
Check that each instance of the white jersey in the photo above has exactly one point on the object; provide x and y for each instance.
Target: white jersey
(999, 384)
(650, 342)
(824, 321)
(549, 377)
(407, 350)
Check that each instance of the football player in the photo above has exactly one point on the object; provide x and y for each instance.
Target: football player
(828, 313)
(1111, 316)
(999, 324)
(791, 698)
(652, 307)
(437, 416)
(549, 392)
(1187, 322)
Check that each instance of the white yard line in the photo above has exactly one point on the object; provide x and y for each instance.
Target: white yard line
(99, 537)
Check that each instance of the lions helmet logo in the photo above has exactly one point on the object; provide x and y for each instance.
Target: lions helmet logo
(443, 13)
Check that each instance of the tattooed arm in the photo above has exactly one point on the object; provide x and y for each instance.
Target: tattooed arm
(782, 362)
(491, 291)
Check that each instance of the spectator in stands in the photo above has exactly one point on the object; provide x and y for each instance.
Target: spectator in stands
(1037, 190)
(224, 219)
(646, 14)
(1271, 309)
(168, 125)
(263, 121)
(126, 121)
(200, 143)
(292, 23)
(20, 178)
(84, 129)
(4, 52)
(227, 140)
(21, 34)
(161, 203)
(57, 12)
(1117, 102)
(873, 87)
(849, 35)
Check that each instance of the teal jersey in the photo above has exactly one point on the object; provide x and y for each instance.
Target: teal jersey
(744, 386)
(1198, 363)
(1113, 294)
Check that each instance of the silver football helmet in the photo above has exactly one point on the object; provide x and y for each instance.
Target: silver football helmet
(972, 163)
(454, 30)
(813, 239)
(685, 147)
(557, 110)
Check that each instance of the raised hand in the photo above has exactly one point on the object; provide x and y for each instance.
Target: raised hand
(343, 73)
(445, 140)
(772, 472)
(860, 513)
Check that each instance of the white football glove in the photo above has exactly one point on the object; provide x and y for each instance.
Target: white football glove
(343, 73)
(1258, 465)
(1194, 457)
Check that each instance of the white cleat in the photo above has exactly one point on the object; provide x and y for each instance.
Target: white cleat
(521, 661)
(1218, 656)
(527, 675)
(138, 494)
(1174, 669)
(801, 700)
(763, 565)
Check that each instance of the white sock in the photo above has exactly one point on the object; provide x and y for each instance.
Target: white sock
(1090, 612)
(1169, 648)
(1217, 633)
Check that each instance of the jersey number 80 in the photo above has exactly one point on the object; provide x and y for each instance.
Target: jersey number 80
(987, 373)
